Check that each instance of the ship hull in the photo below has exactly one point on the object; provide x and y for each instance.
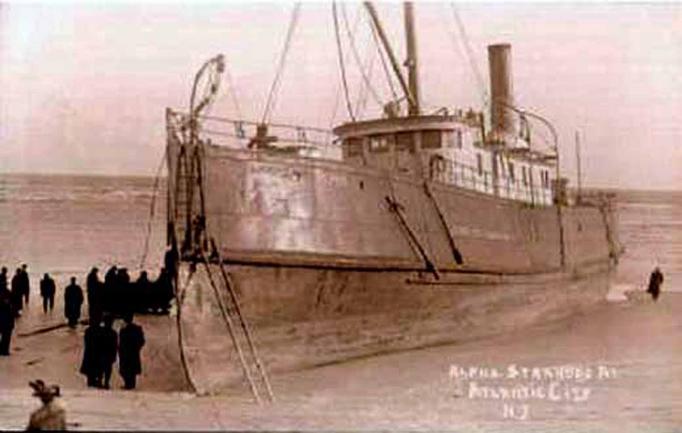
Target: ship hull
(303, 317)
(331, 261)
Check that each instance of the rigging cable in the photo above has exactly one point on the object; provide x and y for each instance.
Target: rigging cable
(356, 57)
(470, 55)
(152, 207)
(361, 103)
(282, 60)
(339, 49)
(383, 63)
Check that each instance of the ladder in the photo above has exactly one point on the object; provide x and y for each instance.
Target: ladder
(239, 330)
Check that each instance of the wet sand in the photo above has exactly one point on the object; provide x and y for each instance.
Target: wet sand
(638, 345)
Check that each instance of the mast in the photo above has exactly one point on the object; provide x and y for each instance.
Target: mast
(411, 61)
(578, 163)
(391, 56)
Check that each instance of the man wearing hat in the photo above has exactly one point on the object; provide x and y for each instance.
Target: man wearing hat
(51, 415)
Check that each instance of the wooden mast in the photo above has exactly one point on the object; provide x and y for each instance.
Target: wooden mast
(411, 61)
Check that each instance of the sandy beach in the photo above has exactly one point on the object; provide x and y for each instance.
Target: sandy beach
(625, 359)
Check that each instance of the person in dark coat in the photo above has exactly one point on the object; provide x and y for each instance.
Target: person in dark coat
(124, 293)
(7, 317)
(17, 293)
(93, 287)
(170, 262)
(109, 289)
(131, 340)
(163, 292)
(655, 281)
(143, 293)
(108, 349)
(73, 299)
(91, 366)
(3, 279)
(25, 283)
(47, 291)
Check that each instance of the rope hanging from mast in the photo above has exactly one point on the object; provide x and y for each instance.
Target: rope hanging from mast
(339, 49)
(356, 57)
(280, 68)
(387, 73)
(470, 56)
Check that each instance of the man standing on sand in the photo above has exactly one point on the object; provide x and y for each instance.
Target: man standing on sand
(655, 281)
(131, 340)
(7, 316)
(47, 291)
(3, 279)
(25, 283)
(109, 289)
(73, 299)
(108, 347)
(90, 365)
(17, 293)
(94, 290)
(51, 416)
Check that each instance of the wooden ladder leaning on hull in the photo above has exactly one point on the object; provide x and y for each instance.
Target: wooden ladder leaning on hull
(239, 330)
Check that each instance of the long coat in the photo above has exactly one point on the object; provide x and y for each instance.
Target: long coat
(47, 287)
(108, 346)
(6, 311)
(91, 350)
(73, 299)
(131, 340)
(655, 281)
(17, 292)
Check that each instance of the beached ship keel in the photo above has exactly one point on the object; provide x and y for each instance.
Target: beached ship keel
(424, 229)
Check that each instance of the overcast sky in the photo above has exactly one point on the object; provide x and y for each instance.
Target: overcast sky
(83, 88)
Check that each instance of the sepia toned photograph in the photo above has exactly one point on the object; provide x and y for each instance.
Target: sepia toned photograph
(341, 216)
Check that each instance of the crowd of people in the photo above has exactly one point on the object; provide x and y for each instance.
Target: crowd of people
(116, 296)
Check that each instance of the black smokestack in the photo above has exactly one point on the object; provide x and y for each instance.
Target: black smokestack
(501, 89)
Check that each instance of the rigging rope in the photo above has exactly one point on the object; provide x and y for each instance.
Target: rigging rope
(282, 60)
(383, 63)
(357, 59)
(361, 103)
(341, 64)
(152, 207)
(470, 56)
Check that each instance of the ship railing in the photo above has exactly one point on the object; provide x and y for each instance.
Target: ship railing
(470, 177)
(239, 134)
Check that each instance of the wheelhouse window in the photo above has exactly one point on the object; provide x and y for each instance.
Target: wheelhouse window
(431, 139)
(454, 138)
(353, 147)
(479, 164)
(404, 141)
(512, 175)
(524, 174)
(379, 143)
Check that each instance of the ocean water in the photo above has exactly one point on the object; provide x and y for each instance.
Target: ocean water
(66, 224)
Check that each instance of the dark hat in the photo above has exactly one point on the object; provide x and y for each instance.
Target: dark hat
(42, 390)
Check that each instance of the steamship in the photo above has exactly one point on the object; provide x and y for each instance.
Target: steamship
(422, 229)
